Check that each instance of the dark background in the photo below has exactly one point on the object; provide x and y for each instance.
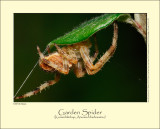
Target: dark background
(122, 79)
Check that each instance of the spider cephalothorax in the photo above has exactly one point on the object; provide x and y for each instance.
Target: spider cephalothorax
(64, 59)
(76, 57)
(52, 62)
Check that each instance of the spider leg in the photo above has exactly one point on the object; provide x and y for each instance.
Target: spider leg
(92, 69)
(96, 49)
(79, 69)
(41, 87)
(70, 58)
(48, 49)
(40, 53)
(65, 66)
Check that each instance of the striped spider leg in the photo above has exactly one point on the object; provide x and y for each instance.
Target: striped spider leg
(89, 66)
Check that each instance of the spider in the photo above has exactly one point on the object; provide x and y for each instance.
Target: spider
(76, 57)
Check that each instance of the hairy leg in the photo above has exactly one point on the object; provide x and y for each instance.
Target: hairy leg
(48, 49)
(96, 49)
(79, 69)
(41, 87)
(90, 67)
(40, 53)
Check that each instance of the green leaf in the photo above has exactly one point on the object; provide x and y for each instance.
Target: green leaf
(88, 28)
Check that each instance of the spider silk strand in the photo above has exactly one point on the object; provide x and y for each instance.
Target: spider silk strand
(28, 75)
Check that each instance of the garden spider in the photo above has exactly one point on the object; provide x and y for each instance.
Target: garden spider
(74, 56)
